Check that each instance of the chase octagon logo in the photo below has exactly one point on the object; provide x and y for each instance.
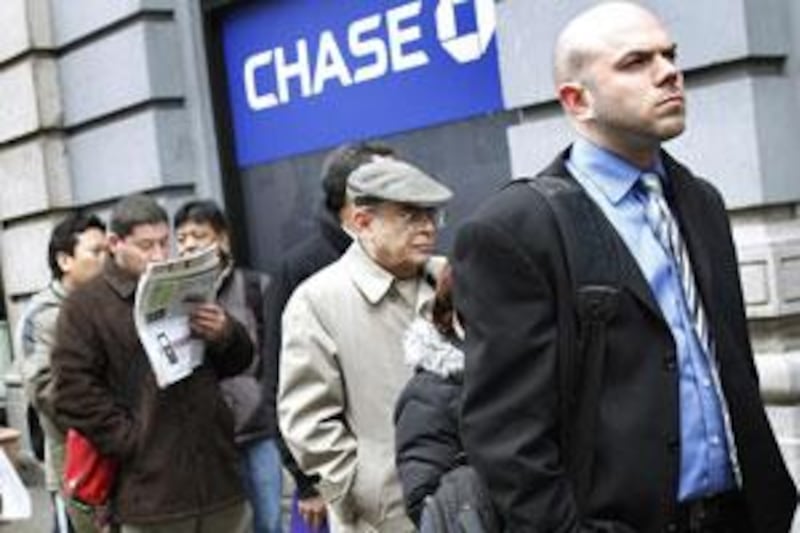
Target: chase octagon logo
(469, 46)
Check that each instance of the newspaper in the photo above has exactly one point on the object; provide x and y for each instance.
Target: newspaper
(15, 501)
(165, 296)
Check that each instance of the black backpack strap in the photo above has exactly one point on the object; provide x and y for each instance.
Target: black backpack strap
(593, 270)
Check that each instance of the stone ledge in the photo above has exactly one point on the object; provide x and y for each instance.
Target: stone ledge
(96, 82)
(25, 269)
(29, 98)
(768, 243)
(34, 176)
(71, 24)
(155, 144)
(779, 374)
(26, 26)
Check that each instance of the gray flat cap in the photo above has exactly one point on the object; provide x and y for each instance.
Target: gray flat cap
(396, 181)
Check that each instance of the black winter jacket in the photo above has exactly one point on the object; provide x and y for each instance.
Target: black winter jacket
(426, 416)
(251, 394)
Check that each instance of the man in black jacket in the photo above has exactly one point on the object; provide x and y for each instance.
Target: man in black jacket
(681, 442)
(326, 245)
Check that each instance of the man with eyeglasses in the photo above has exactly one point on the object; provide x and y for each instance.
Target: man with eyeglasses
(328, 240)
(178, 468)
(342, 362)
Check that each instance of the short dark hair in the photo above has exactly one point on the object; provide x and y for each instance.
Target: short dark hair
(135, 210)
(341, 162)
(202, 212)
(65, 237)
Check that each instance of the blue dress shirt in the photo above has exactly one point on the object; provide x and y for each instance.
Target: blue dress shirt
(612, 183)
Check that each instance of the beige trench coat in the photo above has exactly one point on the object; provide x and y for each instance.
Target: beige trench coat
(341, 371)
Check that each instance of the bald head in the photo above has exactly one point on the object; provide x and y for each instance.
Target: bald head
(618, 82)
(592, 32)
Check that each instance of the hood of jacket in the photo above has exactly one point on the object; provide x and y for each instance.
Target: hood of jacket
(425, 348)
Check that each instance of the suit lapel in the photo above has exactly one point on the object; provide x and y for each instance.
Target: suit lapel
(634, 280)
(694, 232)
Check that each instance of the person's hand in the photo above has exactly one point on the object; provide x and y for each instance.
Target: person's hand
(209, 321)
(313, 511)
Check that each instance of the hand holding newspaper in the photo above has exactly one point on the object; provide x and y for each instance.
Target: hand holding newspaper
(165, 296)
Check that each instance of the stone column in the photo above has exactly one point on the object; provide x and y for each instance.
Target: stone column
(34, 178)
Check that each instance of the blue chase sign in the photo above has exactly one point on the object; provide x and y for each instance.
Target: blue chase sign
(305, 75)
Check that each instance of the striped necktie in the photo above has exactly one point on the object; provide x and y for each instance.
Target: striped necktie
(666, 230)
(668, 233)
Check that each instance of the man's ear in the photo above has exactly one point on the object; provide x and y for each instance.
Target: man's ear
(576, 100)
(64, 261)
(113, 241)
(361, 218)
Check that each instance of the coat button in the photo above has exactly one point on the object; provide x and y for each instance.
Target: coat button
(672, 527)
(670, 364)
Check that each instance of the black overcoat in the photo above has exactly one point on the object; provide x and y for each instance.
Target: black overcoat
(509, 277)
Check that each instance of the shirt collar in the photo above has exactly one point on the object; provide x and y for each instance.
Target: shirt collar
(613, 176)
(374, 282)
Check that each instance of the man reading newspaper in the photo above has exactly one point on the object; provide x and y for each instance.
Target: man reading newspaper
(166, 297)
(178, 468)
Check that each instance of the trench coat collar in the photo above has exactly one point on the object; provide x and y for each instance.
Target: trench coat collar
(372, 280)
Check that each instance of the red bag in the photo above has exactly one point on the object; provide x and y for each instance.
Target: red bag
(88, 475)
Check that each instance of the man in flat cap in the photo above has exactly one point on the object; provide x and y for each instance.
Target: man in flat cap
(341, 359)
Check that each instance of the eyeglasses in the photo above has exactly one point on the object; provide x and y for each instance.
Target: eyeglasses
(420, 216)
(412, 216)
